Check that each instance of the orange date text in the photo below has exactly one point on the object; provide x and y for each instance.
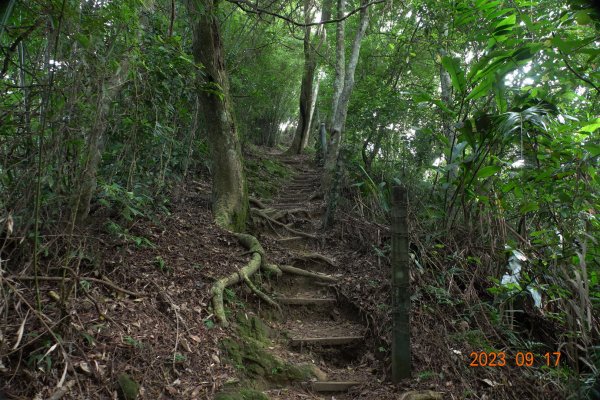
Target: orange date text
(520, 359)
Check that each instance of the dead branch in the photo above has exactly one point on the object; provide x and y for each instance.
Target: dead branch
(60, 278)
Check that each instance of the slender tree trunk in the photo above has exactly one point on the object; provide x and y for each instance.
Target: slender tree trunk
(309, 88)
(446, 97)
(341, 109)
(107, 91)
(313, 105)
(446, 88)
(306, 94)
(340, 61)
(229, 191)
(369, 157)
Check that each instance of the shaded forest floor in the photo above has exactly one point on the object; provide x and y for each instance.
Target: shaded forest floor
(162, 332)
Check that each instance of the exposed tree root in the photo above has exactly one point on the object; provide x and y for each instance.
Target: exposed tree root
(302, 272)
(260, 213)
(314, 256)
(285, 214)
(261, 294)
(273, 269)
(256, 263)
(257, 203)
(289, 239)
(252, 244)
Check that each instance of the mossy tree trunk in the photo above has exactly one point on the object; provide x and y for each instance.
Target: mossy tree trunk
(229, 191)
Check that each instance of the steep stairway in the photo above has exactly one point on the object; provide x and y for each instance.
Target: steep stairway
(318, 327)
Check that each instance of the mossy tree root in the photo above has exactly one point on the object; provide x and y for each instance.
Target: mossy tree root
(262, 295)
(257, 262)
(254, 247)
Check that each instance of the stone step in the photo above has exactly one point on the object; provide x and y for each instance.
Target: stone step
(306, 301)
(303, 196)
(288, 206)
(330, 386)
(299, 188)
(326, 341)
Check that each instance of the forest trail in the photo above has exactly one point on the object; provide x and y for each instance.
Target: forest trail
(317, 327)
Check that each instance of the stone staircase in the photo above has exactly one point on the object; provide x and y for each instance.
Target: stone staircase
(317, 327)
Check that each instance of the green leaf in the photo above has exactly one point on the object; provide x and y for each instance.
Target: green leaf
(481, 89)
(508, 187)
(590, 128)
(529, 206)
(500, 94)
(507, 22)
(500, 12)
(593, 149)
(488, 171)
(457, 76)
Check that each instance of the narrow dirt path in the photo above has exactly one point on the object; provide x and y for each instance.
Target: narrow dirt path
(317, 327)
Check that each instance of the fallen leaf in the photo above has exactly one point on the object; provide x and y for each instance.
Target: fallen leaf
(195, 338)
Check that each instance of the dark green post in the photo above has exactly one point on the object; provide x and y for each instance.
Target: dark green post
(401, 367)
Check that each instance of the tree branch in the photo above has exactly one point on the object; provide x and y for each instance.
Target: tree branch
(254, 9)
(583, 78)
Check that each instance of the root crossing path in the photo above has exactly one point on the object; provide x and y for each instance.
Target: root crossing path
(316, 325)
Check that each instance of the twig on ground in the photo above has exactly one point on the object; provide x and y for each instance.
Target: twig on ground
(60, 278)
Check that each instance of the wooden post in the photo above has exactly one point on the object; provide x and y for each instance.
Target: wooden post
(401, 368)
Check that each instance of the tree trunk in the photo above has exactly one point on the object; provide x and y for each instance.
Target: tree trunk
(340, 107)
(309, 88)
(313, 104)
(340, 61)
(369, 157)
(446, 97)
(229, 191)
(306, 93)
(107, 91)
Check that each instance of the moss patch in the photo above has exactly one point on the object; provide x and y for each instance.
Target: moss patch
(265, 176)
(129, 387)
(249, 353)
(243, 394)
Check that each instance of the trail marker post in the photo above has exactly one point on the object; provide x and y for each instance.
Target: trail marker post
(401, 367)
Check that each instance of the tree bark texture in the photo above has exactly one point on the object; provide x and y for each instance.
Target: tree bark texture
(340, 107)
(340, 60)
(229, 191)
(309, 88)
